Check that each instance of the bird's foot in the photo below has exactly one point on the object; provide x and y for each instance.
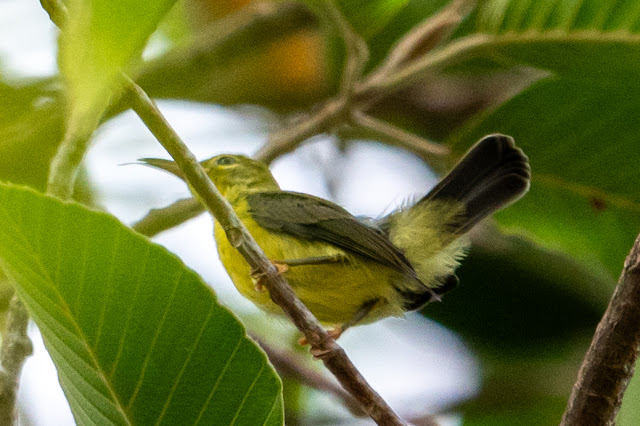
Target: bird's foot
(258, 277)
(335, 333)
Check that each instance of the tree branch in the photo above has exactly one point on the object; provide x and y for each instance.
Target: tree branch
(333, 356)
(609, 363)
(16, 347)
(158, 220)
(398, 137)
(290, 137)
(423, 38)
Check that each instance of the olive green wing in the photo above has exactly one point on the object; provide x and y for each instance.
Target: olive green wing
(314, 219)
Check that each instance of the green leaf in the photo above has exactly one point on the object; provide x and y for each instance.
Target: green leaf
(582, 143)
(136, 336)
(499, 16)
(101, 38)
(580, 39)
(587, 40)
(30, 129)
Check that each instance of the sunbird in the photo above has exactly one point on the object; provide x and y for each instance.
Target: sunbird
(349, 270)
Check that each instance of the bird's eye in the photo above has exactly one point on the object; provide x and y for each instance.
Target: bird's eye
(226, 161)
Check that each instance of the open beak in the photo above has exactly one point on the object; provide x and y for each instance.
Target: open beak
(166, 165)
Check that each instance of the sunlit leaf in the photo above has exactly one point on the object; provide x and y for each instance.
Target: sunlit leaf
(99, 39)
(500, 16)
(136, 336)
(579, 40)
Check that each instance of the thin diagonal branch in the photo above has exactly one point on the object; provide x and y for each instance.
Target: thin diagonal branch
(334, 357)
(397, 136)
(424, 37)
(158, 220)
(610, 361)
(289, 138)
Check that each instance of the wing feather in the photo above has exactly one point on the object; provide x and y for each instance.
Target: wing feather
(314, 219)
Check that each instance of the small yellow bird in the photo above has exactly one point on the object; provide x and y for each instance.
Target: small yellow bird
(348, 270)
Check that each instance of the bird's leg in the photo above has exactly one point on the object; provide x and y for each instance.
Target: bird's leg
(258, 277)
(336, 332)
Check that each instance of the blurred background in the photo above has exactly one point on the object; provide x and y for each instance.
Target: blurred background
(503, 348)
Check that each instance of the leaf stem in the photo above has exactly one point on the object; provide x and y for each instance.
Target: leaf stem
(66, 164)
(609, 362)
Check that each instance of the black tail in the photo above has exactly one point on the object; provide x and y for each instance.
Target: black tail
(493, 174)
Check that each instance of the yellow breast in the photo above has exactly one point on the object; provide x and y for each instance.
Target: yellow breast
(334, 292)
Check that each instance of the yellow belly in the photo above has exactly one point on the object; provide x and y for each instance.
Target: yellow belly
(334, 292)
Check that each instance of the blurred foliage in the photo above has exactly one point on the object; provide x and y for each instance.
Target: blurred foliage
(559, 76)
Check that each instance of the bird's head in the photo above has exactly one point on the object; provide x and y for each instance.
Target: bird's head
(233, 175)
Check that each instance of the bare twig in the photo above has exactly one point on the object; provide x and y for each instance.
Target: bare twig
(158, 220)
(424, 37)
(16, 347)
(289, 138)
(420, 68)
(397, 136)
(281, 293)
(609, 363)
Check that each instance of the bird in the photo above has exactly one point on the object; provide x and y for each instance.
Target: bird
(351, 270)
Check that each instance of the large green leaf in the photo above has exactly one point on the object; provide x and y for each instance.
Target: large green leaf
(582, 140)
(589, 40)
(136, 336)
(99, 39)
(500, 16)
